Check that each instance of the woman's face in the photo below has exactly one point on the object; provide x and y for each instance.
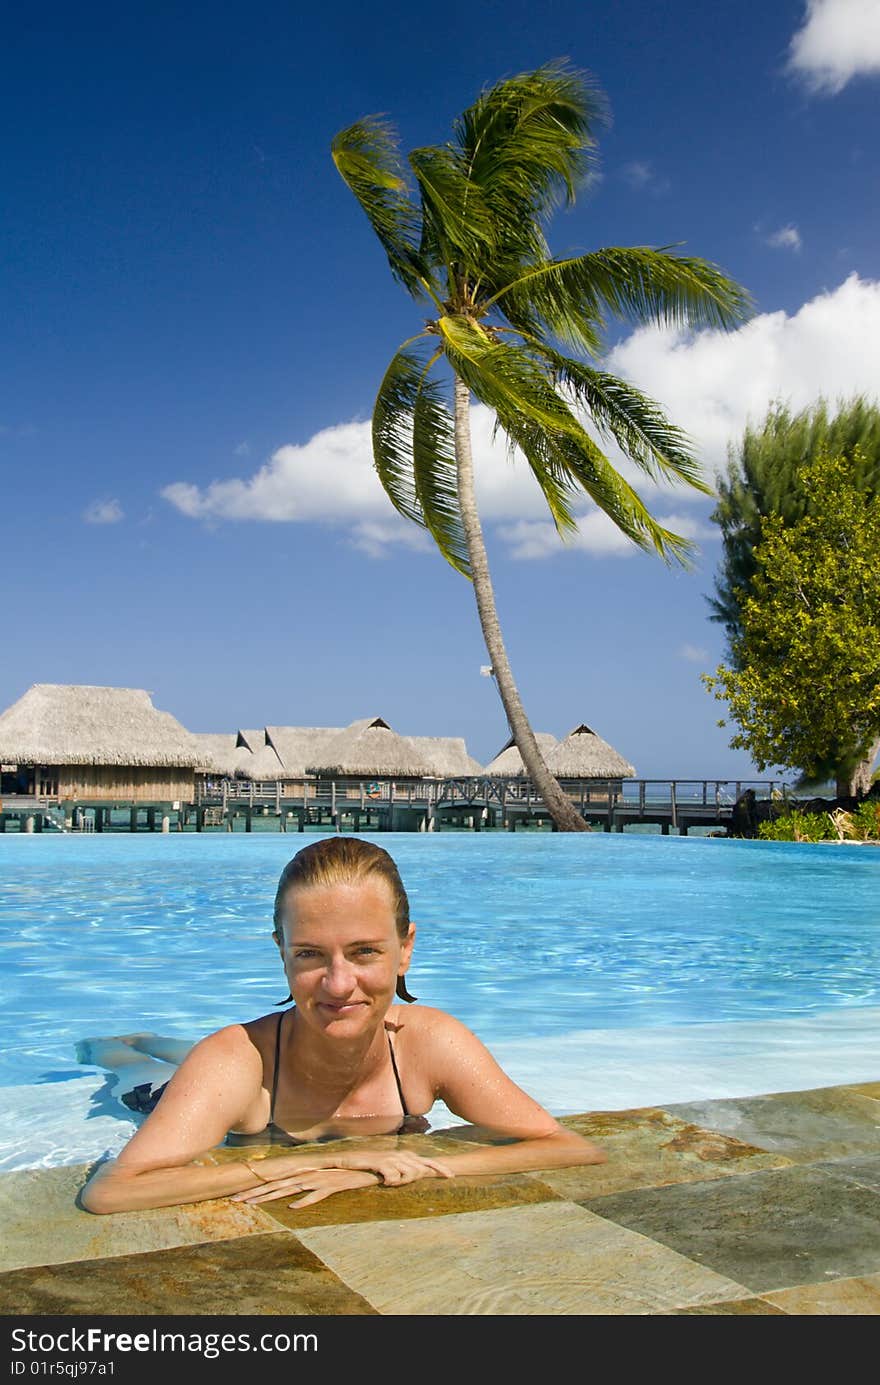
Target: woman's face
(342, 954)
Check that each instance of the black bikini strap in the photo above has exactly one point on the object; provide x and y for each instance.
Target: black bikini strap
(397, 1077)
(275, 1073)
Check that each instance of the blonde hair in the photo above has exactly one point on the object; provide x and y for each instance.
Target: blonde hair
(344, 861)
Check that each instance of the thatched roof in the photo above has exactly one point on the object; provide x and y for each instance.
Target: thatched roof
(508, 762)
(369, 747)
(298, 746)
(75, 724)
(584, 755)
(251, 740)
(446, 756)
(220, 750)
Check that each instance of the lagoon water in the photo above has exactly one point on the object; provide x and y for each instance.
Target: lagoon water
(604, 971)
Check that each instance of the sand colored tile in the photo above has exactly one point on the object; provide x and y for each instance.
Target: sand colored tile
(649, 1147)
(768, 1230)
(858, 1296)
(272, 1274)
(551, 1258)
(432, 1197)
(871, 1089)
(825, 1123)
(40, 1223)
(739, 1307)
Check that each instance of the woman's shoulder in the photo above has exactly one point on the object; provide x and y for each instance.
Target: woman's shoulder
(423, 1021)
(244, 1042)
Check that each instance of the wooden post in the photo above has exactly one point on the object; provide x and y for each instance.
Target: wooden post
(200, 818)
(151, 819)
(166, 822)
(132, 819)
(29, 823)
(672, 801)
(248, 816)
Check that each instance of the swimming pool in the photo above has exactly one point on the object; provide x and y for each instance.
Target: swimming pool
(603, 970)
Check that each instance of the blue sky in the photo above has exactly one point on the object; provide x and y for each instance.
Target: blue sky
(196, 317)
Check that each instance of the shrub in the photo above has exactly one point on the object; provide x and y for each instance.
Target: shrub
(795, 826)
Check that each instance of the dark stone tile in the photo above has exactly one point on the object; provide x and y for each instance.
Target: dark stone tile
(267, 1274)
(766, 1230)
(864, 1170)
(824, 1123)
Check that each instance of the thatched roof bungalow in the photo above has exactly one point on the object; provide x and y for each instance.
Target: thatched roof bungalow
(446, 756)
(299, 746)
(584, 755)
(96, 744)
(369, 747)
(508, 763)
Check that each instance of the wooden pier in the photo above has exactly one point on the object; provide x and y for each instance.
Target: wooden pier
(475, 803)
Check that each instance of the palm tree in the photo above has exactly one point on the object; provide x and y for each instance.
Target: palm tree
(504, 315)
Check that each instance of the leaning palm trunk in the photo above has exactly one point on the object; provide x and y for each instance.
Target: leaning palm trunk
(565, 816)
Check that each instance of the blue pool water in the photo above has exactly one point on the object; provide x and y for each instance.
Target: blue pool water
(604, 971)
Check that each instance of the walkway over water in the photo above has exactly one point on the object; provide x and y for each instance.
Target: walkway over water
(477, 803)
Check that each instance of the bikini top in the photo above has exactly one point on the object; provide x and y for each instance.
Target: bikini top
(274, 1135)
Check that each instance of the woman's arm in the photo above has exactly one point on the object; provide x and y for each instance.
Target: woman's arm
(474, 1086)
(208, 1095)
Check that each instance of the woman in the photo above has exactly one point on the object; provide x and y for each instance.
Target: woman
(344, 1060)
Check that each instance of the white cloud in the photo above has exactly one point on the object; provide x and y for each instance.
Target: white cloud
(103, 512)
(693, 653)
(839, 40)
(786, 238)
(710, 383)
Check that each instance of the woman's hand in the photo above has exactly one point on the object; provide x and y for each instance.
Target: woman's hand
(314, 1185)
(393, 1167)
(349, 1170)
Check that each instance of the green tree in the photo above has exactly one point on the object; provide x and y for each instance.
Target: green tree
(762, 480)
(462, 225)
(804, 686)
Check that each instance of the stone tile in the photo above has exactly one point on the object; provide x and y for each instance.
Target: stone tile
(738, 1306)
(649, 1147)
(859, 1296)
(269, 1274)
(768, 1230)
(432, 1197)
(864, 1170)
(40, 1223)
(825, 1123)
(871, 1089)
(553, 1258)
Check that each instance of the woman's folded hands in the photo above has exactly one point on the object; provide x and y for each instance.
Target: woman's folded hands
(349, 1169)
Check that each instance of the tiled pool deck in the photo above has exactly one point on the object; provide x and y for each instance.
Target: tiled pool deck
(764, 1204)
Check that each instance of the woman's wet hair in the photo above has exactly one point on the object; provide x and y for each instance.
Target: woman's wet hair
(344, 861)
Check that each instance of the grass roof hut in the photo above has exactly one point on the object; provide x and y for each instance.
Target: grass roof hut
(508, 763)
(447, 756)
(299, 746)
(584, 755)
(96, 744)
(368, 749)
(257, 758)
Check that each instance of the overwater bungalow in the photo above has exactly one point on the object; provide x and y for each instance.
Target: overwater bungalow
(580, 757)
(584, 755)
(95, 745)
(508, 763)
